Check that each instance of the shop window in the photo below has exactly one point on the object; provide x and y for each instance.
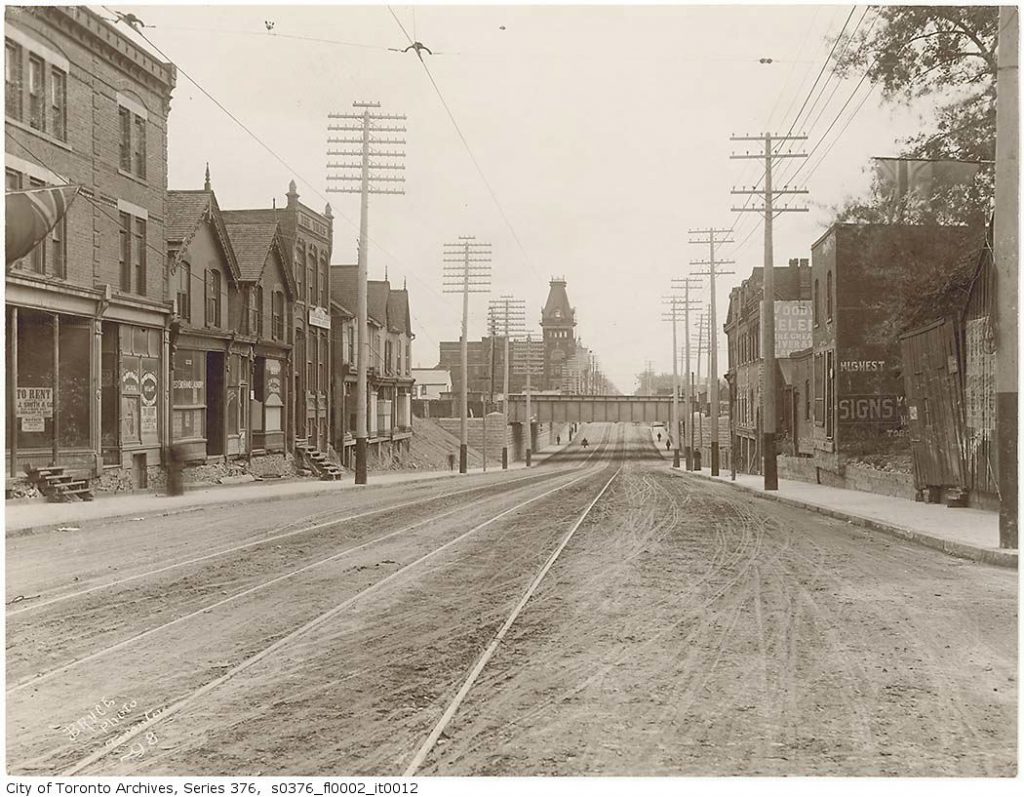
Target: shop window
(140, 384)
(73, 399)
(13, 79)
(237, 383)
(34, 401)
(272, 395)
(189, 395)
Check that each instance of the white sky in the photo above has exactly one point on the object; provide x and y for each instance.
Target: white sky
(603, 131)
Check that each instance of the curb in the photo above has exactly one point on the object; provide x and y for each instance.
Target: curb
(962, 550)
(117, 514)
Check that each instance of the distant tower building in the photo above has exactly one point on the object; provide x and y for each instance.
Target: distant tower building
(558, 321)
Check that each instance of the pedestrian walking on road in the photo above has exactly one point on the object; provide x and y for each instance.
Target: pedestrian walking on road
(451, 462)
(584, 443)
(668, 443)
(659, 437)
(558, 440)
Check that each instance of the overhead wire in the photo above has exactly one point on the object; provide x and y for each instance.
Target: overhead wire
(739, 219)
(469, 150)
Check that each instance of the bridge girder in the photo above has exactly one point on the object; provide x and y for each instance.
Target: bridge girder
(591, 409)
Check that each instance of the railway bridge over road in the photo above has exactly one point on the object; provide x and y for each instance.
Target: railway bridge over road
(547, 408)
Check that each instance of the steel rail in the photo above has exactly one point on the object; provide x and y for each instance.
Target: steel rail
(485, 657)
(306, 628)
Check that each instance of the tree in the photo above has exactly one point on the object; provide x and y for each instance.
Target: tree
(947, 54)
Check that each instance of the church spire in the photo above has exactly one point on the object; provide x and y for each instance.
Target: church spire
(206, 184)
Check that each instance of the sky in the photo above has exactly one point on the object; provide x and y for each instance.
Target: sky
(586, 142)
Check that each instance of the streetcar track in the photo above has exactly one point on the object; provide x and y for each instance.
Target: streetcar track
(68, 666)
(485, 657)
(295, 634)
(265, 540)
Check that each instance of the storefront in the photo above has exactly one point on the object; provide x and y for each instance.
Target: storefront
(86, 380)
(211, 388)
(267, 405)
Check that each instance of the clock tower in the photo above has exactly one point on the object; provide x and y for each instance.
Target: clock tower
(558, 322)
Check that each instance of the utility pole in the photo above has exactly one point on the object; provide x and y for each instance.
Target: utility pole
(701, 324)
(676, 310)
(509, 315)
(1006, 257)
(471, 275)
(714, 236)
(770, 211)
(686, 284)
(371, 174)
(529, 364)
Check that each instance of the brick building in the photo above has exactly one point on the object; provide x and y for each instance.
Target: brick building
(558, 325)
(306, 236)
(389, 372)
(869, 281)
(743, 328)
(88, 310)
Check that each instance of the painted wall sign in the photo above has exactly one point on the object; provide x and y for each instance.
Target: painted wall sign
(34, 403)
(869, 409)
(793, 327)
(862, 365)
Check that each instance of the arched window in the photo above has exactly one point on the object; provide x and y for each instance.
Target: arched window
(325, 280)
(814, 306)
(311, 277)
(213, 298)
(828, 296)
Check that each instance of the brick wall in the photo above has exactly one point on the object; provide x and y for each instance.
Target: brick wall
(90, 157)
(497, 434)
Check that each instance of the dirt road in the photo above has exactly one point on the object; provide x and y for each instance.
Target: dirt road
(684, 629)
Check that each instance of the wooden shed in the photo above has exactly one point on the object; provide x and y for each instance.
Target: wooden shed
(934, 395)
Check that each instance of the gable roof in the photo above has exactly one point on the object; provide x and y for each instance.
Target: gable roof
(254, 241)
(186, 211)
(398, 311)
(377, 301)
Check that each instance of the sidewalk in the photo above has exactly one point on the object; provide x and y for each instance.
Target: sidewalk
(21, 517)
(967, 533)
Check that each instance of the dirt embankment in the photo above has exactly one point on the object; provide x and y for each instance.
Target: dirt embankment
(429, 448)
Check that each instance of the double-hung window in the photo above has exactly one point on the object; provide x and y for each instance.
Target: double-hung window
(13, 79)
(132, 121)
(36, 93)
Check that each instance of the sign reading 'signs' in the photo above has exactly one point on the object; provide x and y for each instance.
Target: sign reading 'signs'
(869, 409)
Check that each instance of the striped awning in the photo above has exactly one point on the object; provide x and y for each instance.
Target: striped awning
(32, 214)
